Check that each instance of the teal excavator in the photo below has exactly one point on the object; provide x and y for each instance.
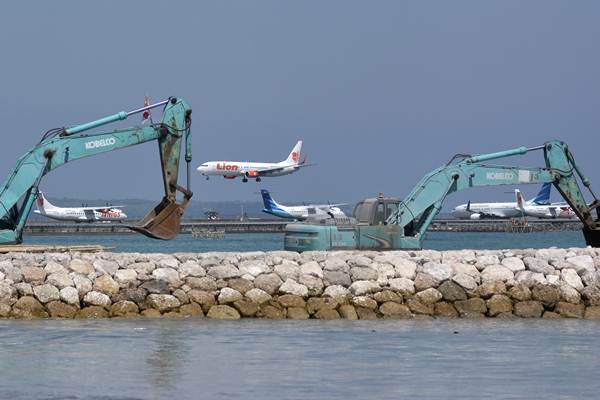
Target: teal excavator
(60, 146)
(389, 223)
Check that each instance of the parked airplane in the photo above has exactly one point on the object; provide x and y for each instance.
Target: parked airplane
(553, 210)
(78, 214)
(310, 211)
(233, 169)
(501, 210)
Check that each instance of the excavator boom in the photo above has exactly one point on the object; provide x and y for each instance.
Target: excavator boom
(63, 145)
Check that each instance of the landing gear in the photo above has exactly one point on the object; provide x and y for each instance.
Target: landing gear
(258, 179)
(245, 180)
(207, 178)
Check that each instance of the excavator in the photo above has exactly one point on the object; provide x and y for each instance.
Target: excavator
(389, 223)
(60, 146)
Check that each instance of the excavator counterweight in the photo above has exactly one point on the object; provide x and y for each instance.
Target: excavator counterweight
(63, 145)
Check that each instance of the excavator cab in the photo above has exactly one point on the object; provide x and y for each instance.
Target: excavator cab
(375, 211)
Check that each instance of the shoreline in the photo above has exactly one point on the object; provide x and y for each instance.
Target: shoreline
(366, 285)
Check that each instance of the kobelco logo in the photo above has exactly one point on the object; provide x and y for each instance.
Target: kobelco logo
(94, 144)
(500, 176)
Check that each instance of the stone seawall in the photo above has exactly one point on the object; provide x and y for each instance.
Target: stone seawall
(323, 285)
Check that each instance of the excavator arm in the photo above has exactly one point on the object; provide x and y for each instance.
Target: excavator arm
(63, 145)
(416, 212)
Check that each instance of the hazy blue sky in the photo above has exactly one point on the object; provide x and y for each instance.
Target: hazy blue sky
(381, 91)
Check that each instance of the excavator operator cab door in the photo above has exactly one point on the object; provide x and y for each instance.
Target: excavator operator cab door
(375, 211)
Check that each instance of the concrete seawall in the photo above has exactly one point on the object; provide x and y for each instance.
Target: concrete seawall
(323, 285)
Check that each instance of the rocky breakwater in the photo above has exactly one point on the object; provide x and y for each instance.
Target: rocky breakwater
(323, 285)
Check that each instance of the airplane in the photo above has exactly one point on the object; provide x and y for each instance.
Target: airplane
(310, 211)
(78, 214)
(552, 210)
(233, 169)
(501, 210)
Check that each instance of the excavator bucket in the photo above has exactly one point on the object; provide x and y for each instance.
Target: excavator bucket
(163, 221)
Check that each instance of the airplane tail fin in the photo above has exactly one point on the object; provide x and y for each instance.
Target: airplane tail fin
(268, 201)
(543, 196)
(520, 201)
(294, 157)
(42, 203)
(469, 206)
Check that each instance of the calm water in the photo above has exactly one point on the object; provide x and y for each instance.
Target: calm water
(254, 359)
(274, 241)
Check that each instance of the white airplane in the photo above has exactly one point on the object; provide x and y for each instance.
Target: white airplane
(501, 210)
(233, 169)
(78, 214)
(552, 210)
(310, 211)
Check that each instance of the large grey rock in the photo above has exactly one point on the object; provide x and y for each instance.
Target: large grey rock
(467, 269)
(287, 270)
(10, 271)
(33, 275)
(82, 284)
(538, 265)
(336, 264)
(191, 268)
(484, 260)
(258, 296)
(590, 278)
(497, 272)
(464, 280)
(81, 266)
(569, 294)
(429, 296)
(515, 264)
(223, 312)
(451, 291)
(69, 295)
(168, 275)
(290, 286)
(311, 268)
(313, 284)
(359, 261)
(225, 271)
(270, 283)
(405, 268)
(126, 277)
(24, 289)
(360, 288)
(168, 262)
(94, 298)
(530, 278)
(105, 266)
(571, 278)
(582, 263)
(363, 274)
(403, 286)
(336, 291)
(254, 268)
(106, 284)
(144, 268)
(60, 280)
(46, 293)
(229, 295)
(52, 267)
(337, 277)
(440, 272)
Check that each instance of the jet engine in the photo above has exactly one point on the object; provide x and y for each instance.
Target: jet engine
(475, 216)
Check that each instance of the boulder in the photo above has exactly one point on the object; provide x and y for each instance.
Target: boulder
(206, 283)
(69, 295)
(270, 283)
(126, 277)
(467, 269)
(538, 265)
(246, 307)
(313, 284)
(288, 270)
(311, 268)
(592, 312)
(464, 280)
(162, 302)
(571, 278)
(46, 293)
(365, 313)
(416, 307)
(520, 292)
(82, 284)
(530, 278)
(451, 291)
(205, 299)
(106, 284)
(444, 309)
(515, 264)
(338, 277)
(336, 291)
(28, 307)
(297, 313)
(488, 289)
(290, 300)
(191, 310)
(430, 296)
(269, 311)
(387, 295)
(258, 296)
(470, 308)
(58, 309)
(528, 309)
(105, 266)
(336, 264)
(569, 294)
(570, 310)
(346, 311)
(425, 281)
(124, 308)
(191, 268)
(254, 268)
(94, 298)
(483, 260)
(405, 268)
(240, 284)
(314, 304)
(81, 267)
(327, 314)
(392, 309)
(360, 288)
(498, 304)
(496, 272)
(404, 286)
(92, 312)
(591, 295)
(582, 263)
(225, 271)
(33, 275)
(52, 267)
(364, 302)
(24, 289)
(359, 261)
(439, 272)
(229, 295)
(290, 286)
(364, 274)
(548, 295)
(168, 275)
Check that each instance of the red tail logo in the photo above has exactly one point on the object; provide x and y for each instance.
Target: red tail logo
(295, 156)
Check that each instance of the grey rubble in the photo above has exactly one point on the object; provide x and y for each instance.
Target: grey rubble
(423, 284)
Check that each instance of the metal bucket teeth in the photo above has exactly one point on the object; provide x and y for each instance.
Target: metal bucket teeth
(163, 221)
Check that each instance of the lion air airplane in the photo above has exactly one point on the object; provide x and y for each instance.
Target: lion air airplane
(233, 169)
(78, 214)
(551, 210)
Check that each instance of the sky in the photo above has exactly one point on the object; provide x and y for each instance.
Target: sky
(381, 92)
